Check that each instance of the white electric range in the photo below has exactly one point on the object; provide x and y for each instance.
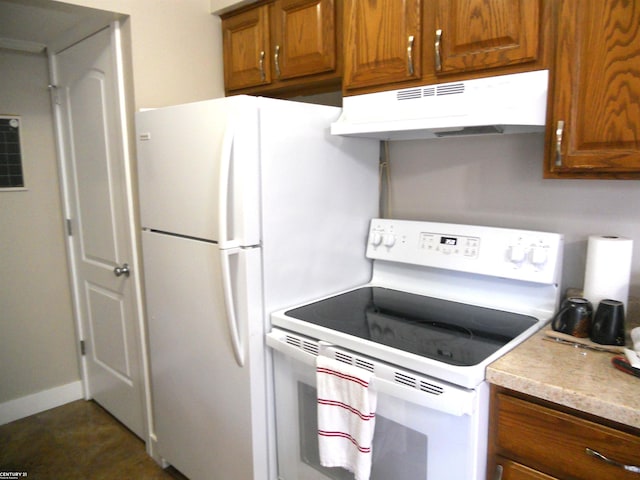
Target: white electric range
(444, 301)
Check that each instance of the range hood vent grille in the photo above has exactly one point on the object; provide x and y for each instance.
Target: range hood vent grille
(410, 94)
(505, 104)
(450, 89)
(433, 91)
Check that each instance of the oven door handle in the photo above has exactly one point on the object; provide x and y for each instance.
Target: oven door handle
(454, 401)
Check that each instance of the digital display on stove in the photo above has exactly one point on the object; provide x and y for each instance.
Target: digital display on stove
(454, 333)
(453, 241)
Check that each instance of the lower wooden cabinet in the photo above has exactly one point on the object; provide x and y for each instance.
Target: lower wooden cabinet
(532, 439)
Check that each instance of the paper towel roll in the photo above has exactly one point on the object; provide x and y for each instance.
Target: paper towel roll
(635, 338)
(608, 269)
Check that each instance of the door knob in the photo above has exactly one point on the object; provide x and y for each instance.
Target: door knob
(123, 270)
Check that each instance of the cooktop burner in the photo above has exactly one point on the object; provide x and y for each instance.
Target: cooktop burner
(454, 333)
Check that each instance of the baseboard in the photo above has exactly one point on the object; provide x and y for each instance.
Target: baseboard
(39, 402)
(152, 451)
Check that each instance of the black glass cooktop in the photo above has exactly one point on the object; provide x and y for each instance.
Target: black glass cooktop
(451, 332)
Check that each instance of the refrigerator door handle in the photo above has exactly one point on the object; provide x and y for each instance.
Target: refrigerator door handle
(224, 189)
(230, 306)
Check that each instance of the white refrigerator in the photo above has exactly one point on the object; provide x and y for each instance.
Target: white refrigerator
(248, 205)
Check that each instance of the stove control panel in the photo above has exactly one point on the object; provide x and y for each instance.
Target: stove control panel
(500, 252)
(450, 244)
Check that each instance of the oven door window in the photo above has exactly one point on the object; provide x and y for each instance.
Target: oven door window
(411, 442)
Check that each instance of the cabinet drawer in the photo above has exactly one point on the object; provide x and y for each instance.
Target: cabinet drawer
(540, 436)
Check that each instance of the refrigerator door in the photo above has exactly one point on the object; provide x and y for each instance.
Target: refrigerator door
(198, 170)
(207, 411)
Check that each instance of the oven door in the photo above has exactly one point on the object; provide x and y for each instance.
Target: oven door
(429, 432)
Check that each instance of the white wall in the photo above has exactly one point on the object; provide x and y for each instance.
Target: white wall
(37, 343)
(497, 180)
(176, 49)
(222, 6)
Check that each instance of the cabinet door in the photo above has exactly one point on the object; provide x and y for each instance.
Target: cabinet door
(382, 42)
(561, 442)
(304, 38)
(595, 128)
(515, 471)
(245, 40)
(479, 34)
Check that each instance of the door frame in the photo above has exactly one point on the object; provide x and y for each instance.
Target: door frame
(128, 147)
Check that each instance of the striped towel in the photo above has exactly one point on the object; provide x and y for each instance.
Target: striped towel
(346, 416)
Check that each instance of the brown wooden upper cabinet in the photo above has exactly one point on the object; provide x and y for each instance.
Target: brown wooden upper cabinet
(247, 49)
(594, 126)
(383, 42)
(282, 45)
(397, 43)
(478, 34)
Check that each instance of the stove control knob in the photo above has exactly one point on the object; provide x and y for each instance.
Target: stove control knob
(389, 240)
(538, 256)
(376, 239)
(517, 254)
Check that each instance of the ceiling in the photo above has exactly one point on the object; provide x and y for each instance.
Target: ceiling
(33, 25)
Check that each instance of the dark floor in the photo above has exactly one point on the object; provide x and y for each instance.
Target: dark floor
(77, 441)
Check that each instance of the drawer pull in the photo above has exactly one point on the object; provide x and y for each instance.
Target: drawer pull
(629, 468)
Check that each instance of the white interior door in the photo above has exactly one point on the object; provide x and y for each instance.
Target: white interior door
(95, 177)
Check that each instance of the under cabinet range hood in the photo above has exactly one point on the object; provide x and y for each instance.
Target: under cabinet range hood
(504, 104)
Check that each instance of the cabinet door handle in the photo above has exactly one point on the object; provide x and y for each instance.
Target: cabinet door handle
(498, 473)
(410, 55)
(276, 58)
(437, 47)
(598, 455)
(559, 133)
(262, 75)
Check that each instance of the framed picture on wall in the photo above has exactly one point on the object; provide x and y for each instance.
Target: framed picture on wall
(11, 171)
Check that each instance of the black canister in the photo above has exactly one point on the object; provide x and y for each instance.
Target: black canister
(608, 323)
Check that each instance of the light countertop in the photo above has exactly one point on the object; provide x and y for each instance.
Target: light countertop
(574, 377)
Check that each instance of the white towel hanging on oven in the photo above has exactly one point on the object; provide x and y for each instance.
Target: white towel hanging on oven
(346, 416)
